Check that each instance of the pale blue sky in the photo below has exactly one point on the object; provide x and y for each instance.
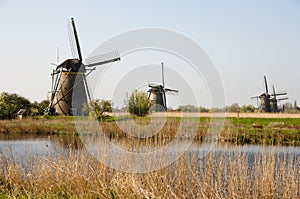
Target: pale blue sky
(245, 39)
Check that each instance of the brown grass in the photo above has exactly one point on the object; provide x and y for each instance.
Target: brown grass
(15, 128)
(229, 114)
(267, 131)
(218, 176)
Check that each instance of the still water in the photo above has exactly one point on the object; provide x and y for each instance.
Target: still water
(22, 150)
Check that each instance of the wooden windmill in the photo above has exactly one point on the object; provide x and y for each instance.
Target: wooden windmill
(69, 90)
(274, 100)
(269, 102)
(157, 94)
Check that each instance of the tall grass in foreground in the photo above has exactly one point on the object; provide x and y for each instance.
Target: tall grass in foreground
(217, 175)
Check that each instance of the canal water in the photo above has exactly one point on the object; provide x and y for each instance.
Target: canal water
(19, 150)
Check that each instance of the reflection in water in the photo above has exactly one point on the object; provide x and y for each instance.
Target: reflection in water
(21, 150)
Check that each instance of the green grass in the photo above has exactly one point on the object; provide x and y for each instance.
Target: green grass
(269, 131)
(264, 121)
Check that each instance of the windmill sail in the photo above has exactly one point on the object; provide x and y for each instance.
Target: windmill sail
(72, 42)
(277, 94)
(76, 40)
(171, 90)
(281, 99)
(162, 74)
(102, 59)
(266, 85)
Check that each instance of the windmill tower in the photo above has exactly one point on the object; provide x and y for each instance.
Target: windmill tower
(265, 99)
(269, 102)
(157, 94)
(273, 102)
(69, 90)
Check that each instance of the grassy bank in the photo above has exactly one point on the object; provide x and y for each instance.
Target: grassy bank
(215, 176)
(37, 126)
(267, 131)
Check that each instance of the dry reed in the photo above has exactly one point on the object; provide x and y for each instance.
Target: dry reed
(217, 175)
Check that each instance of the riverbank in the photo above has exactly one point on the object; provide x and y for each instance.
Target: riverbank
(283, 130)
(37, 126)
(226, 115)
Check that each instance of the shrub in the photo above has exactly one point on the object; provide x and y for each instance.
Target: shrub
(39, 108)
(139, 103)
(96, 108)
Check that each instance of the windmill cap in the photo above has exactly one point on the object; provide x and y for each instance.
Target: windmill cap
(72, 65)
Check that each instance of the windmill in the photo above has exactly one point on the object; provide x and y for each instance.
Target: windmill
(268, 102)
(69, 90)
(157, 94)
(274, 101)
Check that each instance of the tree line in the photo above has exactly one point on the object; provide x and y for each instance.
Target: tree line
(137, 104)
(10, 104)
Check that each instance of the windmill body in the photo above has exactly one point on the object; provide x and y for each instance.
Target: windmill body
(70, 98)
(157, 98)
(264, 103)
(157, 94)
(273, 106)
(69, 86)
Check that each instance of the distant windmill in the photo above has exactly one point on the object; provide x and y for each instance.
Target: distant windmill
(157, 94)
(274, 101)
(69, 89)
(269, 102)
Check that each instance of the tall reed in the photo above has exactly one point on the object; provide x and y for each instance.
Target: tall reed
(220, 174)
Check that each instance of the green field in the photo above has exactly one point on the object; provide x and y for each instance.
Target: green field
(266, 131)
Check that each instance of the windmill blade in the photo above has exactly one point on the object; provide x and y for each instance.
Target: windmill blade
(172, 93)
(171, 90)
(72, 40)
(162, 74)
(266, 85)
(55, 88)
(52, 82)
(86, 87)
(254, 97)
(281, 99)
(102, 59)
(76, 39)
(274, 93)
(165, 101)
(277, 94)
